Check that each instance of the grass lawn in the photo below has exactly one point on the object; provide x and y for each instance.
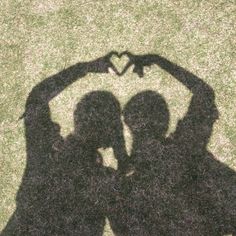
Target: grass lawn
(40, 38)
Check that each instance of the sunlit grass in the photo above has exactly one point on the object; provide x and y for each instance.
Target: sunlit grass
(38, 38)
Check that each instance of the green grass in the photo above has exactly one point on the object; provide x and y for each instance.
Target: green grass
(40, 39)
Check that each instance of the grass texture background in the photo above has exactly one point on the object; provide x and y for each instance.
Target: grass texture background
(40, 38)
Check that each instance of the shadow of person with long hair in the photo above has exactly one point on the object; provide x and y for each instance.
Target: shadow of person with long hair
(178, 187)
(65, 189)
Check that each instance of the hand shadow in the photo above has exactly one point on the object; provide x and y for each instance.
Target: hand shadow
(178, 188)
(65, 189)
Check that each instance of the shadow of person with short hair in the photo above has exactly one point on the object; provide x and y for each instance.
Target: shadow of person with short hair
(178, 187)
(65, 189)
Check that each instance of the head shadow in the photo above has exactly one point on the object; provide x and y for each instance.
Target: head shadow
(97, 119)
(147, 115)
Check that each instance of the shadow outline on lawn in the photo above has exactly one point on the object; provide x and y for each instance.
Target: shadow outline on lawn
(177, 186)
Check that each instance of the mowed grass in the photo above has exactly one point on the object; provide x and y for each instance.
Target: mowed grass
(40, 38)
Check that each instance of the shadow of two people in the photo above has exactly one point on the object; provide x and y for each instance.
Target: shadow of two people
(178, 188)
